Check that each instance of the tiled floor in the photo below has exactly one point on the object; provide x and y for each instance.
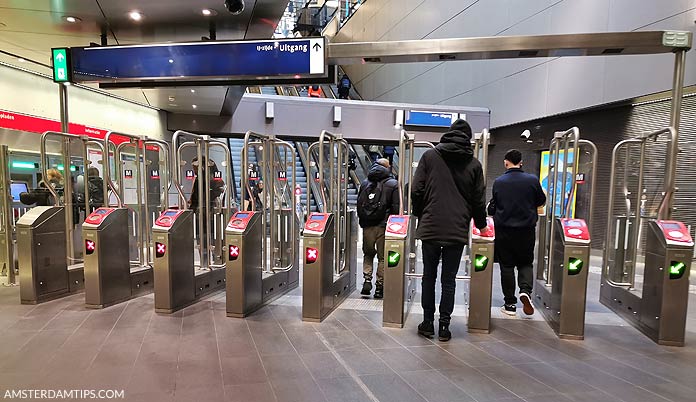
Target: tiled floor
(199, 354)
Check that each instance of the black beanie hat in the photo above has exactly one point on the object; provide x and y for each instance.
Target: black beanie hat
(463, 126)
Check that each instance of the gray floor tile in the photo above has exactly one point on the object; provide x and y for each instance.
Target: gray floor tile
(208, 393)
(150, 397)
(476, 384)
(363, 361)
(284, 366)
(343, 389)
(538, 351)
(391, 388)
(553, 377)
(198, 374)
(435, 387)
(672, 391)
(324, 365)
(341, 339)
(591, 396)
(471, 354)
(408, 337)
(437, 357)
(376, 339)
(630, 393)
(261, 392)
(516, 381)
(298, 390)
(243, 370)
(588, 374)
(149, 377)
(401, 360)
(505, 352)
(624, 372)
(305, 341)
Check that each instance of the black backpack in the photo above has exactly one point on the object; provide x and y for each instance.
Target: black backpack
(371, 206)
(345, 83)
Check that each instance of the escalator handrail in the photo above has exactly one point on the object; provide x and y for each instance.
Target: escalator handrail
(301, 148)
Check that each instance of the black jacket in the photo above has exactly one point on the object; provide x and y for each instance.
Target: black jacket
(516, 197)
(448, 190)
(390, 190)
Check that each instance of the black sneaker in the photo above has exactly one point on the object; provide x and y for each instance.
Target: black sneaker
(509, 309)
(444, 333)
(379, 291)
(426, 329)
(526, 304)
(367, 288)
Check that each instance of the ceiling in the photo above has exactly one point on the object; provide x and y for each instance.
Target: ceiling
(30, 28)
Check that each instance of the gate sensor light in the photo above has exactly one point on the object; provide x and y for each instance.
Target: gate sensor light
(393, 259)
(480, 262)
(234, 252)
(160, 249)
(676, 269)
(574, 266)
(90, 247)
(311, 255)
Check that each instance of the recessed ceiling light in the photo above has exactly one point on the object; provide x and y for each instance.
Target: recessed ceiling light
(71, 19)
(206, 12)
(193, 91)
(171, 61)
(135, 15)
(21, 60)
(194, 106)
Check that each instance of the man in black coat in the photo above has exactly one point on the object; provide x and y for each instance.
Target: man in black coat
(378, 198)
(516, 197)
(448, 190)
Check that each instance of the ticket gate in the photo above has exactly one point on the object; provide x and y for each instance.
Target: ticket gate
(330, 236)
(48, 264)
(480, 264)
(322, 289)
(263, 246)
(109, 278)
(400, 284)
(563, 305)
(563, 257)
(178, 282)
(7, 235)
(42, 256)
(641, 237)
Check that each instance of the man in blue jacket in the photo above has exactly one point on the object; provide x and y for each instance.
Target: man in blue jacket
(516, 197)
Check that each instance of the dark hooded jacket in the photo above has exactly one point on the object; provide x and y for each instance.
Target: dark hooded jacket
(390, 191)
(448, 189)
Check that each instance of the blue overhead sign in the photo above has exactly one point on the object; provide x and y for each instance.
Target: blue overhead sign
(430, 119)
(202, 61)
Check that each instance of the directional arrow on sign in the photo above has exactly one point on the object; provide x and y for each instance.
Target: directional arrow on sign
(60, 57)
(317, 47)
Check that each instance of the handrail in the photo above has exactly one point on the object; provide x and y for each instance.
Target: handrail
(293, 221)
(164, 146)
(108, 183)
(305, 157)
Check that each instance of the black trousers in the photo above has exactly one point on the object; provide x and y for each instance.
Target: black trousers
(451, 256)
(514, 248)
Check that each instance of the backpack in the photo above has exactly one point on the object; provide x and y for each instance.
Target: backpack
(345, 83)
(371, 206)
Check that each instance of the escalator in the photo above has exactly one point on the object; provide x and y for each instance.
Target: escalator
(236, 145)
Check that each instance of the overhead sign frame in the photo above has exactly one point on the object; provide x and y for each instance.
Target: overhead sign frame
(62, 65)
(247, 62)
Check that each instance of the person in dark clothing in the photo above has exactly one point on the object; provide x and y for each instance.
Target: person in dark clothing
(216, 187)
(448, 190)
(344, 87)
(516, 197)
(378, 198)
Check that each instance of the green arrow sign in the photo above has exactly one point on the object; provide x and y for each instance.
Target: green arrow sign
(480, 262)
(61, 65)
(676, 269)
(393, 258)
(574, 266)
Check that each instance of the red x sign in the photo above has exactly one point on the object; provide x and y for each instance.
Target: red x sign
(311, 255)
(234, 252)
(90, 246)
(160, 249)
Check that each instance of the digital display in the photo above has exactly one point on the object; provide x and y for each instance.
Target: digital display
(397, 219)
(101, 211)
(170, 213)
(316, 218)
(241, 215)
(671, 226)
(574, 224)
(17, 188)
(430, 119)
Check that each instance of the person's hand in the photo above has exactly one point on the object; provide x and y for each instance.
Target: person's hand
(484, 231)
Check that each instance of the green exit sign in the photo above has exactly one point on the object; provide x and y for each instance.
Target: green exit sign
(61, 65)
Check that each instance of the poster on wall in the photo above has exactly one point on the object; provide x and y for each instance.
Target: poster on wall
(561, 202)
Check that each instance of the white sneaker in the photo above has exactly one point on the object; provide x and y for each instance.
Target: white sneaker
(509, 309)
(526, 304)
